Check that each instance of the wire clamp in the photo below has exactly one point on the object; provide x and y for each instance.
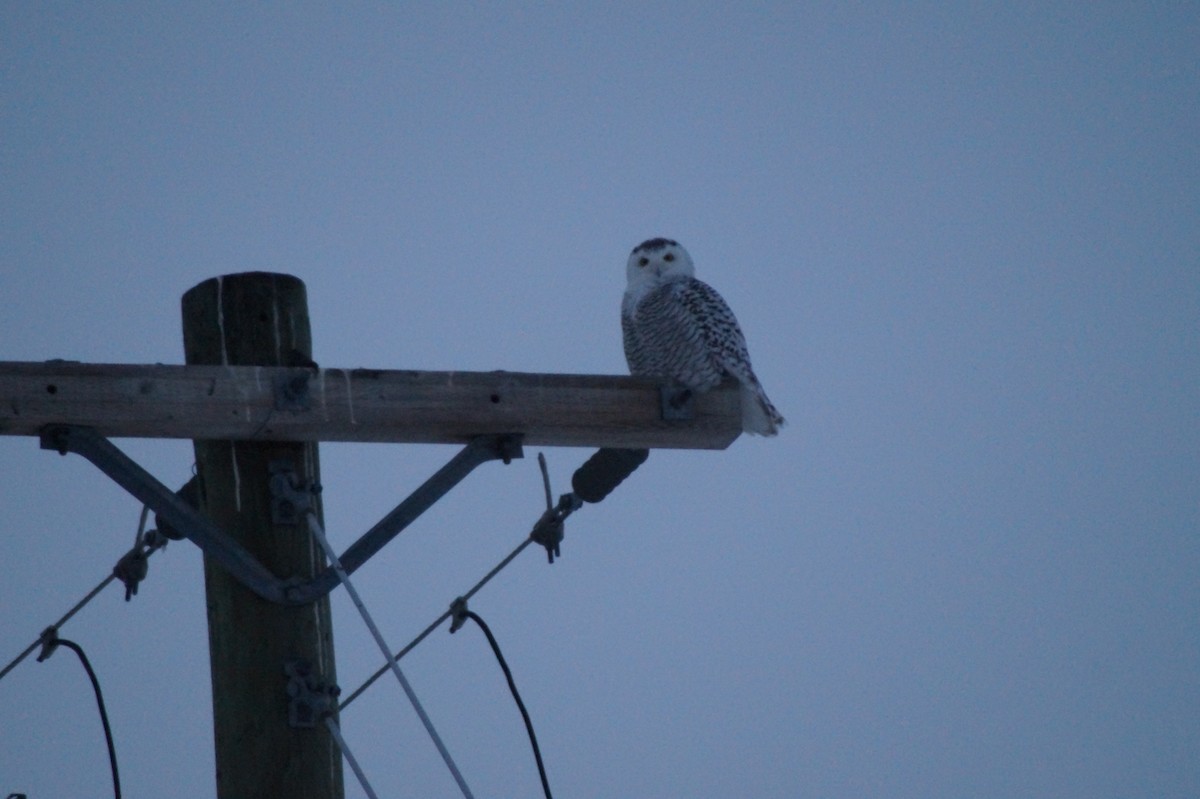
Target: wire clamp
(458, 614)
(49, 642)
(309, 697)
(133, 566)
(131, 569)
(509, 448)
(291, 495)
(548, 531)
(291, 389)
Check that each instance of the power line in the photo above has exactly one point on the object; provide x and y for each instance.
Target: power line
(66, 616)
(512, 686)
(315, 527)
(592, 482)
(336, 732)
(434, 624)
(50, 641)
(457, 612)
(130, 569)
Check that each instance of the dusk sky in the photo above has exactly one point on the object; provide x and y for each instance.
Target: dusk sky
(963, 241)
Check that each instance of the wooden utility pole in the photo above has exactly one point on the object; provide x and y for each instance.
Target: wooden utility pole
(259, 319)
(253, 402)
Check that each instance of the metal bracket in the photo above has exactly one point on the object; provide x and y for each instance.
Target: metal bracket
(678, 403)
(458, 613)
(291, 390)
(309, 697)
(245, 568)
(548, 530)
(49, 642)
(291, 495)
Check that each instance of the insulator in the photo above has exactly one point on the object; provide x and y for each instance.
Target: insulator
(604, 471)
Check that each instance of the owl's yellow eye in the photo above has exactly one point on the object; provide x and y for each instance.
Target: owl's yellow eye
(669, 256)
(643, 261)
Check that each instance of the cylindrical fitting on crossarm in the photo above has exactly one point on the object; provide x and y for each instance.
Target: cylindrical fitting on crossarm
(604, 471)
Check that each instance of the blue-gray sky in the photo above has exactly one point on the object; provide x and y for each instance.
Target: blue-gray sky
(962, 241)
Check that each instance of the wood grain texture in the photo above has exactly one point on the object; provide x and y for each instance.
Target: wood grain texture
(240, 403)
(250, 318)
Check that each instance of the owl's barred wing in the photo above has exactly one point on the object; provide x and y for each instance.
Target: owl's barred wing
(726, 345)
(723, 349)
(684, 332)
(719, 329)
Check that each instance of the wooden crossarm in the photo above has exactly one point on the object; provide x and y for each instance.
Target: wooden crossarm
(298, 404)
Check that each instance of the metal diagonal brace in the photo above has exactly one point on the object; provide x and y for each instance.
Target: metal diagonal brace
(479, 450)
(146, 489)
(241, 564)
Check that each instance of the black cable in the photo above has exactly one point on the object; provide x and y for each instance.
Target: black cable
(436, 623)
(592, 482)
(112, 751)
(537, 753)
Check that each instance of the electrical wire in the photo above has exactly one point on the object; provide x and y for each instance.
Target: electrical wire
(66, 617)
(49, 639)
(592, 482)
(461, 602)
(88, 597)
(315, 527)
(512, 686)
(336, 732)
(435, 624)
(112, 751)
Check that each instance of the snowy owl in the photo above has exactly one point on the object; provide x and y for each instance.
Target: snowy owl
(679, 330)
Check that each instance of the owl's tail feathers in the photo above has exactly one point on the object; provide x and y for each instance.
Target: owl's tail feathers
(758, 414)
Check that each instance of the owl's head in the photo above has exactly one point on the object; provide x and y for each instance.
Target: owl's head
(658, 260)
